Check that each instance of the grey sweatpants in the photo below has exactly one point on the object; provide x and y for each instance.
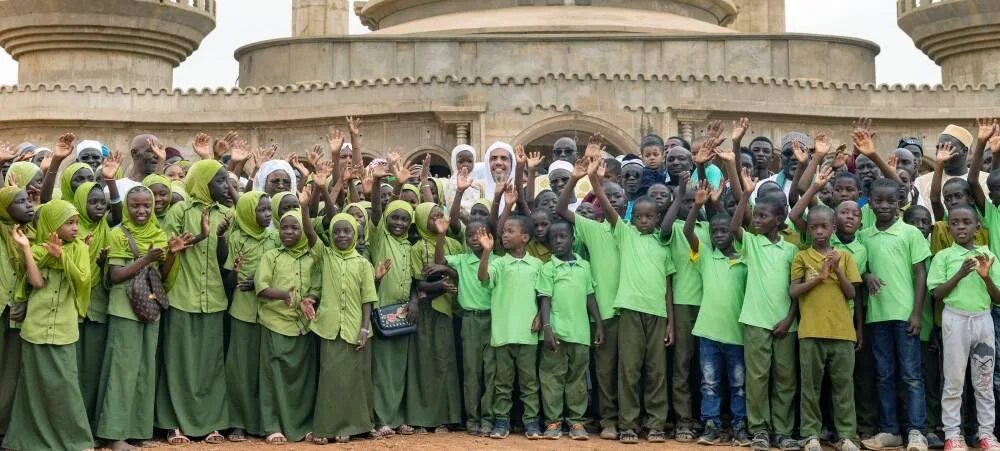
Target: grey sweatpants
(967, 337)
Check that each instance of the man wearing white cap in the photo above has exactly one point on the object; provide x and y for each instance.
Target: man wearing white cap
(91, 153)
(961, 140)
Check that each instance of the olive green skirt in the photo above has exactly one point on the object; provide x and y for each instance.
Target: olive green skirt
(344, 397)
(242, 373)
(90, 358)
(127, 393)
(389, 356)
(191, 394)
(288, 369)
(10, 368)
(48, 408)
(432, 387)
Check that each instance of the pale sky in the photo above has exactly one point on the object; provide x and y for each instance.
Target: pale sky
(242, 22)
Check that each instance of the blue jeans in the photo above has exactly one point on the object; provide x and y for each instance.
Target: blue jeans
(897, 352)
(714, 358)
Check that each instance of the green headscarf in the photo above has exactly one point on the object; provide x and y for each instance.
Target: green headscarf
(99, 230)
(246, 214)
(359, 206)
(302, 245)
(66, 177)
(75, 261)
(439, 186)
(24, 171)
(7, 195)
(352, 249)
(177, 186)
(414, 189)
(394, 206)
(157, 179)
(276, 204)
(184, 164)
(422, 214)
(197, 180)
(145, 235)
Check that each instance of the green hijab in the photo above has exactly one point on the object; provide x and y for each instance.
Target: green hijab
(145, 235)
(75, 261)
(157, 179)
(302, 245)
(359, 206)
(99, 230)
(352, 249)
(24, 171)
(66, 178)
(393, 207)
(414, 189)
(7, 195)
(276, 203)
(439, 186)
(422, 214)
(177, 186)
(197, 180)
(246, 214)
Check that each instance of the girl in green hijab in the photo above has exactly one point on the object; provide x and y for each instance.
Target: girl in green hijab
(346, 290)
(282, 203)
(162, 193)
(359, 210)
(16, 213)
(128, 373)
(248, 241)
(191, 391)
(177, 192)
(48, 410)
(72, 177)
(26, 176)
(410, 194)
(432, 396)
(287, 355)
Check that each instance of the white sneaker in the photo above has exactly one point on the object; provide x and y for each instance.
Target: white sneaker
(812, 445)
(847, 445)
(917, 441)
(883, 440)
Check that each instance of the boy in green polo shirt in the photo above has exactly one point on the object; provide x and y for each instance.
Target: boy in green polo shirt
(963, 277)
(566, 291)
(645, 305)
(513, 303)
(822, 279)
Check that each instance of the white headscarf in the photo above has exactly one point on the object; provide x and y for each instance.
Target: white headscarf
(459, 149)
(560, 164)
(270, 166)
(451, 185)
(486, 176)
(89, 144)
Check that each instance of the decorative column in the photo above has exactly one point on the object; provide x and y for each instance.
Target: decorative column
(687, 130)
(462, 132)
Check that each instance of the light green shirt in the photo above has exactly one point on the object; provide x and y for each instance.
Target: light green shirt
(970, 294)
(52, 317)
(768, 267)
(421, 255)
(10, 281)
(395, 286)
(281, 270)
(687, 281)
(891, 256)
(472, 294)
(855, 248)
(197, 285)
(603, 250)
(991, 221)
(343, 286)
(568, 285)
(513, 300)
(118, 303)
(725, 278)
(645, 266)
(245, 305)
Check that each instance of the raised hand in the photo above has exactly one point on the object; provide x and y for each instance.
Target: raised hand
(983, 265)
(45, 164)
(335, 140)
(748, 180)
(153, 254)
(54, 246)
(717, 193)
(840, 156)
(995, 143)
(220, 148)
(177, 244)
(893, 162)
(520, 156)
(441, 225)
(393, 158)
(19, 237)
(740, 128)
(383, 268)
(702, 193)
(64, 146)
(987, 128)
(203, 146)
(425, 169)
(724, 154)
(580, 168)
(945, 152)
(323, 171)
(595, 146)
(239, 151)
(315, 155)
(305, 196)
(703, 153)
(863, 142)
(510, 194)
(157, 148)
(294, 161)
(823, 176)
(593, 167)
(534, 159)
(801, 154)
(267, 153)
(354, 125)
(714, 129)
(485, 239)
(110, 165)
(7, 152)
(822, 144)
(463, 181)
(401, 172)
(865, 125)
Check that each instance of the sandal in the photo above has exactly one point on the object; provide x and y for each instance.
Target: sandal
(441, 430)
(384, 431)
(420, 431)
(406, 430)
(684, 434)
(310, 437)
(215, 438)
(175, 437)
(628, 437)
(656, 436)
(276, 438)
(342, 439)
(237, 435)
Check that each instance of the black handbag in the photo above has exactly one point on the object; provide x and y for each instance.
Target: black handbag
(393, 321)
(145, 291)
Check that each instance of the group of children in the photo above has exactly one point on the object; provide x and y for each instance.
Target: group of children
(327, 300)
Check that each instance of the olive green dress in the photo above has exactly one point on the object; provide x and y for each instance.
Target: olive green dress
(10, 286)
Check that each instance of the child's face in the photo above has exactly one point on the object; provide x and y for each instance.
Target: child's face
(262, 214)
(954, 194)
(174, 173)
(994, 188)
(513, 237)
(963, 226)
(746, 162)
(885, 203)
(409, 197)
(343, 235)
(542, 223)
(479, 212)
(820, 228)
(921, 219)
(465, 160)
(687, 203)
(845, 189)
(139, 205)
(662, 196)
(97, 204)
(358, 216)
(645, 217)
(20, 209)
(161, 197)
(720, 234)
(826, 194)
(290, 231)
(586, 209)
(385, 194)
(905, 188)
(68, 231)
(652, 156)
(434, 191)
(287, 204)
(399, 223)
(558, 179)
(561, 240)
(472, 240)
(616, 196)
(730, 203)
(81, 176)
(848, 218)
(547, 200)
(218, 188)
(765, 219)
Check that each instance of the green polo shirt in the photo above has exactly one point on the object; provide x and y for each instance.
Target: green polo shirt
(603, 250)
(991, 221)
(568, 284)
(513, 299)
(244, 305)
(687, 281)
(281, 270)
(766, 302)
(343, 286)
(891, 256)
(52, 318)
(196, 284)
(970, 295)
(725, 278)
(857, 250)
(867, 217)
(472, 294)
(645, 265)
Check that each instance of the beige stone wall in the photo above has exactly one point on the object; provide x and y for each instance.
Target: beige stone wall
(960, 35)
(759, 16)
(319, 17)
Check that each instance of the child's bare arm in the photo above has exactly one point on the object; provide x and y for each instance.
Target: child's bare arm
(945, 153)
(987, 129)
(919, 290)
(863, 142)
(595, 317)
(740, 216)
(667, 225)
(486, 240)
(609, 211)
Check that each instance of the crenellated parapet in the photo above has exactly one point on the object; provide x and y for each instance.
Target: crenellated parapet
(962, 36)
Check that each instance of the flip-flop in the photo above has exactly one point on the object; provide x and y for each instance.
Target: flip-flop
(276, 438)
(177, 438)
(215, 438)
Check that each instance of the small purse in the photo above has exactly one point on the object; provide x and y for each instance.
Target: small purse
(145, 291)
(392, 321)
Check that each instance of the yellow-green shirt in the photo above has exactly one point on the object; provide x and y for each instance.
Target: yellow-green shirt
(568, 285)
(281, 270)
(245, 304)
(766, 302)
(473, 295)
(824, 311)
(725, 278)
(10, 281)
(538, 250)
(513, 299)
(891, 256)
(197, 285)
(343, 286)
(687, 281)
(645, 266)
(991, 222)
(395, 286)
(118, 303)
(421, 255)
(970, 294)
(52, 317)
(604, 251)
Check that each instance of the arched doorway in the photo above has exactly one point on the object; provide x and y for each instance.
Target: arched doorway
(540, 136)
(440, 160)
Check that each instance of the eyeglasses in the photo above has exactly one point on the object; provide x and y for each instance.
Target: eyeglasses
(563, 151)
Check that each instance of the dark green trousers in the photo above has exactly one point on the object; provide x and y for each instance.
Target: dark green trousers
(771, 380)
(683, 350)
(10, 368)
(519, 360)
(562, 375)
(642, 368)
(836, 358)
(606, 371)
(479, 369)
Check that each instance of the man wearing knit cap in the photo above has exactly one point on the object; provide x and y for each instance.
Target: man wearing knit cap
(788, 163)
(961, 140)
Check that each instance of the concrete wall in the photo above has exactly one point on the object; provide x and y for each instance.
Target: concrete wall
(759, 16)
(319, 17)
(287, 61)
